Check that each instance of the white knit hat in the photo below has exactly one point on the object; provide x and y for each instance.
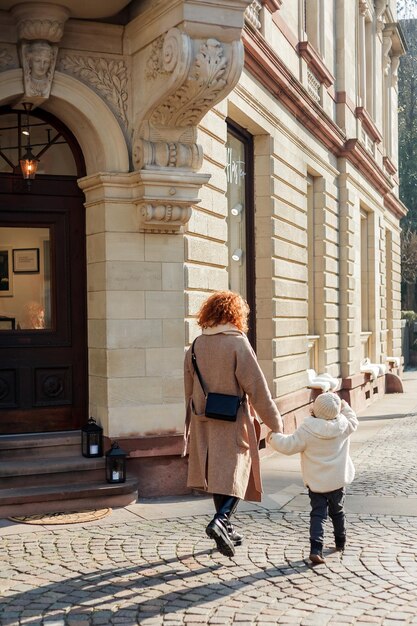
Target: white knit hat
(327, 406)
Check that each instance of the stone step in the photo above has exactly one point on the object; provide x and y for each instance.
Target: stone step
(68, 497)
(59, 444)
(53, 470)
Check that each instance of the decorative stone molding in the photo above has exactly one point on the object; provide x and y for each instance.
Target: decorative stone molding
(107, 76)
(158, 154)
(252, 14)
(380, 8)
(183, 78)
(40, 21)
(395, 63)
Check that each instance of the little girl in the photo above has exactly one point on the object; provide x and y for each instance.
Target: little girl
(323, 441)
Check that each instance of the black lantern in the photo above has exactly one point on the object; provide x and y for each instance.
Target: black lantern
(28, 163)
(92, 439)
(116, 464)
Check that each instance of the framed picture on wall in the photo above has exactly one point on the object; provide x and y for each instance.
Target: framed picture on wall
(6, 275)
(26, 260)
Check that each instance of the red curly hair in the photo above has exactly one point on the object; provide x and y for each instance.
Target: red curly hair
(224, 307)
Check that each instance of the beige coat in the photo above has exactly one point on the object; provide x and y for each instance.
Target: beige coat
(224, 456)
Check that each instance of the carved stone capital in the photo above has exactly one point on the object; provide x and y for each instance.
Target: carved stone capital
(165, 199)
(40, 20)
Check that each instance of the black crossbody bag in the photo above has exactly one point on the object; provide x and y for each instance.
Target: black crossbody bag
(219, 406)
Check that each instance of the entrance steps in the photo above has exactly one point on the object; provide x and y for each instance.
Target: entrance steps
(45, 472)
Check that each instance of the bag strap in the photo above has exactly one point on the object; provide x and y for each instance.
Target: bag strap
(197, 371)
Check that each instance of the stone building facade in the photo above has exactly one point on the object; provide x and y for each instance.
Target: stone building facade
(214, 145)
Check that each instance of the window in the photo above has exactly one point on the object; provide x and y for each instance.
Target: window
(25, 280)
(240, 217)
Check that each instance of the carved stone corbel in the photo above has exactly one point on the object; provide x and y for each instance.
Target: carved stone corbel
(40, 27)
(185, 77)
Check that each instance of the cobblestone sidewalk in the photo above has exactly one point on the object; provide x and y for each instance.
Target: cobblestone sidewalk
(166, 572)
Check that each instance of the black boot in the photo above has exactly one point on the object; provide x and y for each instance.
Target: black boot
(222, 502)
(316, 552)
(218, 529)
(340, 543)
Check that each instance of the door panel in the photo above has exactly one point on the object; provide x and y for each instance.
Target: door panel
(43, 351)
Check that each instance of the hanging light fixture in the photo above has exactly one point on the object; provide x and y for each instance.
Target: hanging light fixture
(28, 162)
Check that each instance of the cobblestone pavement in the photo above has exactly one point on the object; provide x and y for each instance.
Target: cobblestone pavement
(166, 572)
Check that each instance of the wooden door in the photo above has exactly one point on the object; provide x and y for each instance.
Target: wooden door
(43, 364)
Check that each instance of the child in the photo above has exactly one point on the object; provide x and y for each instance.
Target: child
(323, 440)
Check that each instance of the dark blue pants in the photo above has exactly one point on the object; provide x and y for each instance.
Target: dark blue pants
(322, 504)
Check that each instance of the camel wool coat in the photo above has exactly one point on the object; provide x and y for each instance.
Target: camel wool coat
(224, 456)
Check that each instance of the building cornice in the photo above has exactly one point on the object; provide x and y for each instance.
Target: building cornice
(273, 5)
(362, 114)
(315, 63)
(266, 66)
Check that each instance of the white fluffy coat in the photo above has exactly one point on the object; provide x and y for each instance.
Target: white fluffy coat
(324, 447)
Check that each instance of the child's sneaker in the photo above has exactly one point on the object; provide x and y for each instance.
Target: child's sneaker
(316, 558)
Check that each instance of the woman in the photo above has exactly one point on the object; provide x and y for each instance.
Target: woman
(223, 455)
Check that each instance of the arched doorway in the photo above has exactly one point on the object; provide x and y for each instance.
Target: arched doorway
(43, 338)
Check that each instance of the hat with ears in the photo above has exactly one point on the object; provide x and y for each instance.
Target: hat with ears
(327, 406)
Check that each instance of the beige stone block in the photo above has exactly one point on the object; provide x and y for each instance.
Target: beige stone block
(264, 349)
(263, 268)
(125, 246)
(208, 251)
(134, 276)
(289, 365)
(208, 225)
(97, 362)
(97, 390)
(205, 277)
(290, 271)
(164, 304)
(291, 326)
(214, 126)
(124, 392)
(331, 326)
(134, 333)
(96, 305)
(264, 308)
(173, 333)
(147, 419)
(194, 300)
(290, 214)
(173, 389)
(288, 232)
(125, 305)
(97, 333)
(289, 251)
(288, 194)
(126, 363)
(264, 186)
(213, 200)
(121, 217)
(96, 277)
(164, 248)
(172, 276)
(264, 288)
(288, 384)
(290, 345)
(290, 289)
(165, 361)
(96, 248)
(264, 328)
(290, 308)
(95, 218)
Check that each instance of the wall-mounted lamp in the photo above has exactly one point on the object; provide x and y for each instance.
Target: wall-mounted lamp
(236, 210)
(28, 162)
(237, 255)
